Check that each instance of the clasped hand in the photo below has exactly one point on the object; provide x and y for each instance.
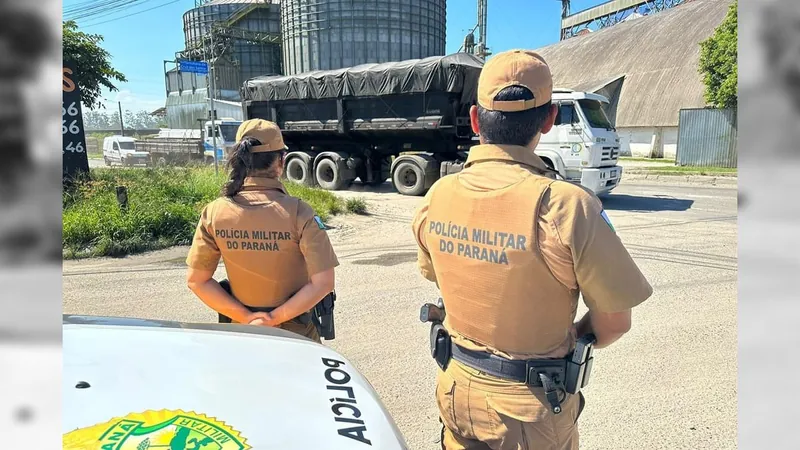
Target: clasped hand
(263, 319)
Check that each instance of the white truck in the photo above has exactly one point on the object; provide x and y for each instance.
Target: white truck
(122, 150)
(175, 146)
(136, 384)
(583, 146)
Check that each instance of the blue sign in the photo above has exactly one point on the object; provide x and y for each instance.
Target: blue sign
(194, 66)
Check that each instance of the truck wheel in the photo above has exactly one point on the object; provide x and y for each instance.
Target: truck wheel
(329, 177)
(299, 172)
(408, 179)
(108, 163)
(161, 161)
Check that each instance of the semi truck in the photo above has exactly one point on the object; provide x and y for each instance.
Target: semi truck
(408, 121)
(178, 146)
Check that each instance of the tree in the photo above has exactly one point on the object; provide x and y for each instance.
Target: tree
(94, 65)
(718, 62)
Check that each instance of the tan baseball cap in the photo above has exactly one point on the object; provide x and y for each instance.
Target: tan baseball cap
(515, 68)
(266, 132)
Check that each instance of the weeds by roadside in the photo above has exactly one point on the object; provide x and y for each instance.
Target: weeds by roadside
(686, 170)
(356, 205)
(163, 209)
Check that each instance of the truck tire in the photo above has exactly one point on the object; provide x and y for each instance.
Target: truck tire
(298, 171)
(161, 161)
(328, 176)
(409, 179)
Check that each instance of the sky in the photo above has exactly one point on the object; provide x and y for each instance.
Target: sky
(140, 37)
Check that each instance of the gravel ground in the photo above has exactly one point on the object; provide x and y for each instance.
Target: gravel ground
(670, 383)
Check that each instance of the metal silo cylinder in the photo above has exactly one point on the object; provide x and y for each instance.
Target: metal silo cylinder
(243, 51)
(332, 34)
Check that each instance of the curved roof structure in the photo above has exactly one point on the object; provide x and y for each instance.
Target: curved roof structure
(648, 67)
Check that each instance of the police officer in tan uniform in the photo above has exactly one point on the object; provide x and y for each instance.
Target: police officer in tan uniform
(276, 252)
(511, 249)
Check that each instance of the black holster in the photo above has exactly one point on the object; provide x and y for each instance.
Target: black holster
(441, 345)
(321, 315)
(441, 349)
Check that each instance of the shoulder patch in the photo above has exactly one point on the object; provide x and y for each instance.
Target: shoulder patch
(608, 221)
(319, 223)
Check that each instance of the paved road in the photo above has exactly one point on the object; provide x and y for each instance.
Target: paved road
(670, 383)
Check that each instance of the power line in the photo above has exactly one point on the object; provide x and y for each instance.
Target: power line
(131, 14)
(94, 8)
(124, 7)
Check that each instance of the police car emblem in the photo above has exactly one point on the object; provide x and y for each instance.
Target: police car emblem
(157, 429)
(608, 221)
(319, 223)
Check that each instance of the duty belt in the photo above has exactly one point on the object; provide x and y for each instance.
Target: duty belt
(547, 373)
(303, 319)
(569, 374)
(321, 315)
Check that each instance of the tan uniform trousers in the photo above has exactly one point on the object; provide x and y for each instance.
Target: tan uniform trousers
(479, 411)
(309, 331)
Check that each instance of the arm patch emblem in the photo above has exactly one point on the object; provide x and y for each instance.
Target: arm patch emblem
(319, 223)
(608, 221)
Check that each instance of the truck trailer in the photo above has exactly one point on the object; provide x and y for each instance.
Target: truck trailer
(179, 146)
(409, 121)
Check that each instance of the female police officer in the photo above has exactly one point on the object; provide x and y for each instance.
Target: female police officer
(275, 250)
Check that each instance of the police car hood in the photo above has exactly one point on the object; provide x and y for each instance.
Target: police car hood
(143, 384)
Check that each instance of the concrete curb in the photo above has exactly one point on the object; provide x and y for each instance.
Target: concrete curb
(689, 179)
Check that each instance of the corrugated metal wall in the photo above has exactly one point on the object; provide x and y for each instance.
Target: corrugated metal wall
(185, 110)
(707, 138)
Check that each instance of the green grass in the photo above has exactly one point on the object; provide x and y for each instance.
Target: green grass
(655, 160)
(356, 205)
(164, 207)
(686, 170)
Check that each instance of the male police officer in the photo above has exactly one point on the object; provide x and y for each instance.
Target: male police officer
(510, 249)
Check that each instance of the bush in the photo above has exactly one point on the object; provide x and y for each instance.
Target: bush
(356, 205)
(164, 206)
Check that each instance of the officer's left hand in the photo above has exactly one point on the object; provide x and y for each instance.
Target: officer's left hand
(260, 318)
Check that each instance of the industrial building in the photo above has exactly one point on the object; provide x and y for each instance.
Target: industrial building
(333, 34)
(250, 38)
(647, 66)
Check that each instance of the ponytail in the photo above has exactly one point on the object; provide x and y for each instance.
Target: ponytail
(240, 163)
(244, 162)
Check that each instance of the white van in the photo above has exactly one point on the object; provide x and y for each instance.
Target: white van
(583, 146)
(122, 150)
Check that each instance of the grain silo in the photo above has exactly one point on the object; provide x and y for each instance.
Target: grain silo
(332, 34)
(246, 44)
(246, 37)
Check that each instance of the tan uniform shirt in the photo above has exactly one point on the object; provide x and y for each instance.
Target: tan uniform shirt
(571, 240)
(270, 242)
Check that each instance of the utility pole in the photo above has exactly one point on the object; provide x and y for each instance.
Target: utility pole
(211, 98)
(121, 125)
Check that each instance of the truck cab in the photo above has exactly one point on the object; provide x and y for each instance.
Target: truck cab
(583, 146)
(226, 129)
(122, 150)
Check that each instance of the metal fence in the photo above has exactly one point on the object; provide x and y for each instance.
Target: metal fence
(707, 138)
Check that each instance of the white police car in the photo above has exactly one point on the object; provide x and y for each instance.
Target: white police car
(135, 384)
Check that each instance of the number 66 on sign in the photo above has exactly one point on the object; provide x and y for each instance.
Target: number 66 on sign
(75, 160)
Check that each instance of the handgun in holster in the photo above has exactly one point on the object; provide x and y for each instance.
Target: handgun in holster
(440, 341)
(321, 315)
